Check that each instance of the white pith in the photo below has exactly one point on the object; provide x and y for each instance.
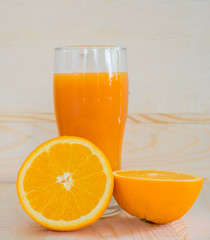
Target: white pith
(66, 180)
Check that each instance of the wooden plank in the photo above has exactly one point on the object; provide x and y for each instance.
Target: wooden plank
(168, 45)
(178, 142)
(16, 224)
(168, 142)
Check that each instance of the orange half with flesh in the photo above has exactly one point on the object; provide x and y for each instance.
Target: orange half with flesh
(156, 196)
(65, 184)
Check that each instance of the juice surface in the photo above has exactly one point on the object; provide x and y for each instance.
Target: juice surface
(93, 106)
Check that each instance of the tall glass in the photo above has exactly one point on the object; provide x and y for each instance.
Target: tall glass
(91, 98)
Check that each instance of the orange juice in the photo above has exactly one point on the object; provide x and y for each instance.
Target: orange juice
(93, 106)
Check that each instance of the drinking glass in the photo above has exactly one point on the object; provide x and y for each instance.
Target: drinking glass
(91, 98)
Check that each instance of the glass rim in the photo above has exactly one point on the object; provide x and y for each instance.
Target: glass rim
(90, 47)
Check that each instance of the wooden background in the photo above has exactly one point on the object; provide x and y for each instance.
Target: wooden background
(168, 44)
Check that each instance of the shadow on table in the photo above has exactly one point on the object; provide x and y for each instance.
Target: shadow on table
(122, 225)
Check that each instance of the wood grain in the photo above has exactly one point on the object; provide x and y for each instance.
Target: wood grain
(168, 45)
(16, 224)
(178, 142)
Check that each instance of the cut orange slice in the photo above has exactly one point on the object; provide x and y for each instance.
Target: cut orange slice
(156, 196)
(65, 184)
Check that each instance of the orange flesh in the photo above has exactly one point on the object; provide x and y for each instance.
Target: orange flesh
(93, 106)
(153, 174)
(73, 196)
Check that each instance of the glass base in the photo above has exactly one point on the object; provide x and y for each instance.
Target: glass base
(113, 209)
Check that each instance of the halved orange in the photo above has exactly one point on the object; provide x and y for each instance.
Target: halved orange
(156, 196)
(65, 184)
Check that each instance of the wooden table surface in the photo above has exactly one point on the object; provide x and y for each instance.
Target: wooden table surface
(159, 141)
(16, 224)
